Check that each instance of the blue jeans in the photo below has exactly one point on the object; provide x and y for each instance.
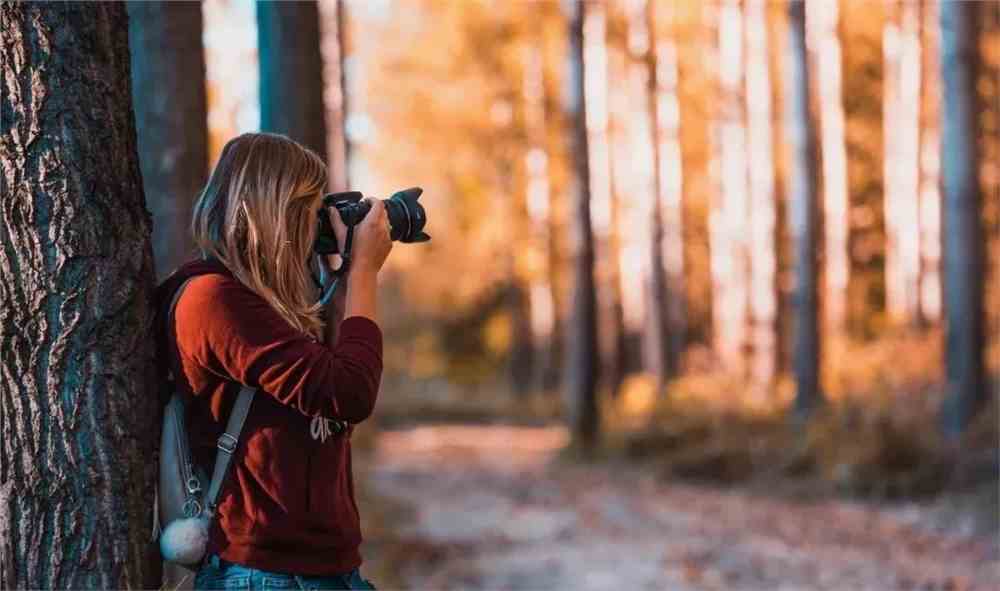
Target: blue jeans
(216, 573)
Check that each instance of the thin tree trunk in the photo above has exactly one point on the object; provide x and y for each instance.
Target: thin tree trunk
(962, 231)
(803, 214)
(729, 249)
(581, 336)
(763, 213)
(291, 72)
(824, 41)
(901, 46)
(168, 91)
(77, 402)
(606, 263)
(670, 184)
(643, 73)
(334, 52)
(929, 308)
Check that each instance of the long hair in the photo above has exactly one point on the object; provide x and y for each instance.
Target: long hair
(257, 215)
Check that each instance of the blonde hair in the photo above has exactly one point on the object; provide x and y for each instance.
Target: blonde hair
(257, 215)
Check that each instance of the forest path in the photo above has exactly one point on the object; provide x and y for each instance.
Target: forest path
(492, 509)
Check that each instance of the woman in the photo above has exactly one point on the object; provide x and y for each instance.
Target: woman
(286, 515)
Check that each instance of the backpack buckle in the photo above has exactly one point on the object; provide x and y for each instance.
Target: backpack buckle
(226, 443)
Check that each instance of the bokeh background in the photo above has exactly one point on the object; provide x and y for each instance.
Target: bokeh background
(496, 458)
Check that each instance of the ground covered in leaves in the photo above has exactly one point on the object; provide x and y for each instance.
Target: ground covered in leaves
(497, 507)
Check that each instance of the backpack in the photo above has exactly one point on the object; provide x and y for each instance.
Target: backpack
(185, 495)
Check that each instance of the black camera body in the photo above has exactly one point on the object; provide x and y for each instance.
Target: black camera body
(407, 217)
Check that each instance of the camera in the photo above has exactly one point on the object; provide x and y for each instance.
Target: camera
(406, 217)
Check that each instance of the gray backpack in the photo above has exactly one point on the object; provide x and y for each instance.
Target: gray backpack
(186, 496)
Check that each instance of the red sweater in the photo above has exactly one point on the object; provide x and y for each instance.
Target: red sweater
(288, 502)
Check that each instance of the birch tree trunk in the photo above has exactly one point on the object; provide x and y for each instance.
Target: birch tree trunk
(580, 385)
(763, 211)
(77, 402)
(643, 75)
(901, 46)
(669, 173)
(606, 262)
(929, 273)
(803, 214)
(730, 256)
(963, 234)
(168, 91)
(333, 45)
(291, 72)
(822, 21)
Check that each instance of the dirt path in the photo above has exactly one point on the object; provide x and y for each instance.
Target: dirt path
(493, 511)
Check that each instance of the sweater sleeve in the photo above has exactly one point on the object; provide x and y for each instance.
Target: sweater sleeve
(228, 329)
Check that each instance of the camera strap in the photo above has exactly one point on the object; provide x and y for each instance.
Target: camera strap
(329, 280)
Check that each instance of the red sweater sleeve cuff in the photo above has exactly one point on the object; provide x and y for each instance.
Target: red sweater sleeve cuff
(363, 328)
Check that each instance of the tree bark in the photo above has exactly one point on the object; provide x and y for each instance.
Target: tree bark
(78, 399)
(291, 72)
(824, 39)
(803, 215)
(962, 231)
(611, 326)
(168, 91)
(580, 384)
(929, 307)
(763, 211)
(730, 253)
(901, 120)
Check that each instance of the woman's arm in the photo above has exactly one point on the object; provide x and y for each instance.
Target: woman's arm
(231, 331)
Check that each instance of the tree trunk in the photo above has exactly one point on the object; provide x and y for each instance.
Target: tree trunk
(901, 120)
(598, 144)
(77, 402)
(929, 307)
(291, 72)
(963, 254)
(730, 254)
(824, 40)
(168, 70)
(580, 391)
(671, 195)
(334, 51)
(803, 215)
(763, 212)
(642, 67)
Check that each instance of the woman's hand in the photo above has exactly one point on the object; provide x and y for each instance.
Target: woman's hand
(371, 239)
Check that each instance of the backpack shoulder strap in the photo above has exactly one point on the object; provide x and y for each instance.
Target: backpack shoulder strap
(226, 446)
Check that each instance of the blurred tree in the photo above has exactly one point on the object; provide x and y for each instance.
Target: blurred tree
(611, 327)
(334, 50)
(929, 193)
(168, 70)
(963, 248)
(655, 59)
(580, 387)
(291, 72)
(803, 214)
(901, 121)
(730, 252)
(763, 201)
(76, 277)
(823, 21)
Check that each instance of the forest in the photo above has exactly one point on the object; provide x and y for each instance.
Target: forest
(712, 299)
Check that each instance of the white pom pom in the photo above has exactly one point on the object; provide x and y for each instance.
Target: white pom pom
(184, 540)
